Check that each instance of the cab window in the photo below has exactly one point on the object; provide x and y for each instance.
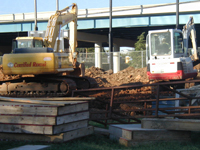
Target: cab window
(160, 44)
(24, 44)
(178, 43)
(38, 43)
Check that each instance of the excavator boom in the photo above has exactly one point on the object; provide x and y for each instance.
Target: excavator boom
(57, 21)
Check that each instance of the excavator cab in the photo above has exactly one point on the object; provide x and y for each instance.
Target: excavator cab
(29, 45)
(27, 42)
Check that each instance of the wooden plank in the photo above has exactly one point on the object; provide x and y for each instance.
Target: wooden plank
(42, 129)
(72, 117)
(43, 105)
(136, 133)
(73, 108)
(123, 130)
(28, 110)
(32, 147)
(70, 126)
(35, 109)
(63, 137)
(23, 100)
(116, 131)
(132, 143)
(65, 99)
(41, 102)
(44, 120)
(160, 135)
(33, 120)
(171, 124)
(78, 133)
(29, 129)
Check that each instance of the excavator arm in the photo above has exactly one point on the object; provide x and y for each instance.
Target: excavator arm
(189, 30)
(56, 22)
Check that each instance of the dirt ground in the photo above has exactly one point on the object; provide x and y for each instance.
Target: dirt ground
(123, 77)
(129, 75)
(106, 78)
(103, 78)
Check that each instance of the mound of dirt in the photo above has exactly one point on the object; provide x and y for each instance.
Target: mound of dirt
(127, 76)
(106, 78)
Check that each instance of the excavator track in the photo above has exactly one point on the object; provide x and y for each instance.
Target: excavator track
(44, 86)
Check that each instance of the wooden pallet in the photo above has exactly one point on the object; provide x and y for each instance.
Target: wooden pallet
(50, 120)
(41, 109)
(42, 129)
(133, 135)
(62, 137)
(171, 124)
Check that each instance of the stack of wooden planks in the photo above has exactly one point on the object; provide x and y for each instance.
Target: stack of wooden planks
(50, 119)
(135, 134)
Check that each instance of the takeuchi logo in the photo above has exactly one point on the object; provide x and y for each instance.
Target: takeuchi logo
(31, 64)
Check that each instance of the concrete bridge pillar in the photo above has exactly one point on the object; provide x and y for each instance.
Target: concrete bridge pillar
(98, 60)
(116, 59)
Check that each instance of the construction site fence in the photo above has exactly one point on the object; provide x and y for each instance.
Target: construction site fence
(136, 59)
(157, 100)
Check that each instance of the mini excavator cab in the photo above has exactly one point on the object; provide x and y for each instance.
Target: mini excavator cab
(167, 53)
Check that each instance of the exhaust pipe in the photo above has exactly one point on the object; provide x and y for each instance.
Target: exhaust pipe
(57, 5)
(35, 3)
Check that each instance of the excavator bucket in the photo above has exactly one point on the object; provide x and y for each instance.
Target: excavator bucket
(79, 71)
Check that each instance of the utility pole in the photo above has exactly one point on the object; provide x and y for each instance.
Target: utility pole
(110, 39)
(35, 4)
(57, 4)
(177, 14)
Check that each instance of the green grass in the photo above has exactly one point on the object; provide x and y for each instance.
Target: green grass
(92, 142)
(95, 124)
(100, 142)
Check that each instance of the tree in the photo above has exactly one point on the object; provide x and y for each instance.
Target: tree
(141, 43)
(85, 50)
(90, 50)
(138, 58)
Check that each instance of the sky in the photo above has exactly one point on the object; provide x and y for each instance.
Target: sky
(25, 6)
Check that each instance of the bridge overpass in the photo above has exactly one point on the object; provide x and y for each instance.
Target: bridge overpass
(93, 24)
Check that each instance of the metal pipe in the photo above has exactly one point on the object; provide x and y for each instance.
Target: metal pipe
(110, 38)
(35, 4)
(177, 14)
(111, 103)
(157, 100)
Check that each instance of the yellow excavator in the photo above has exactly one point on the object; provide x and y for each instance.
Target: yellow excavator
(53, 72)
